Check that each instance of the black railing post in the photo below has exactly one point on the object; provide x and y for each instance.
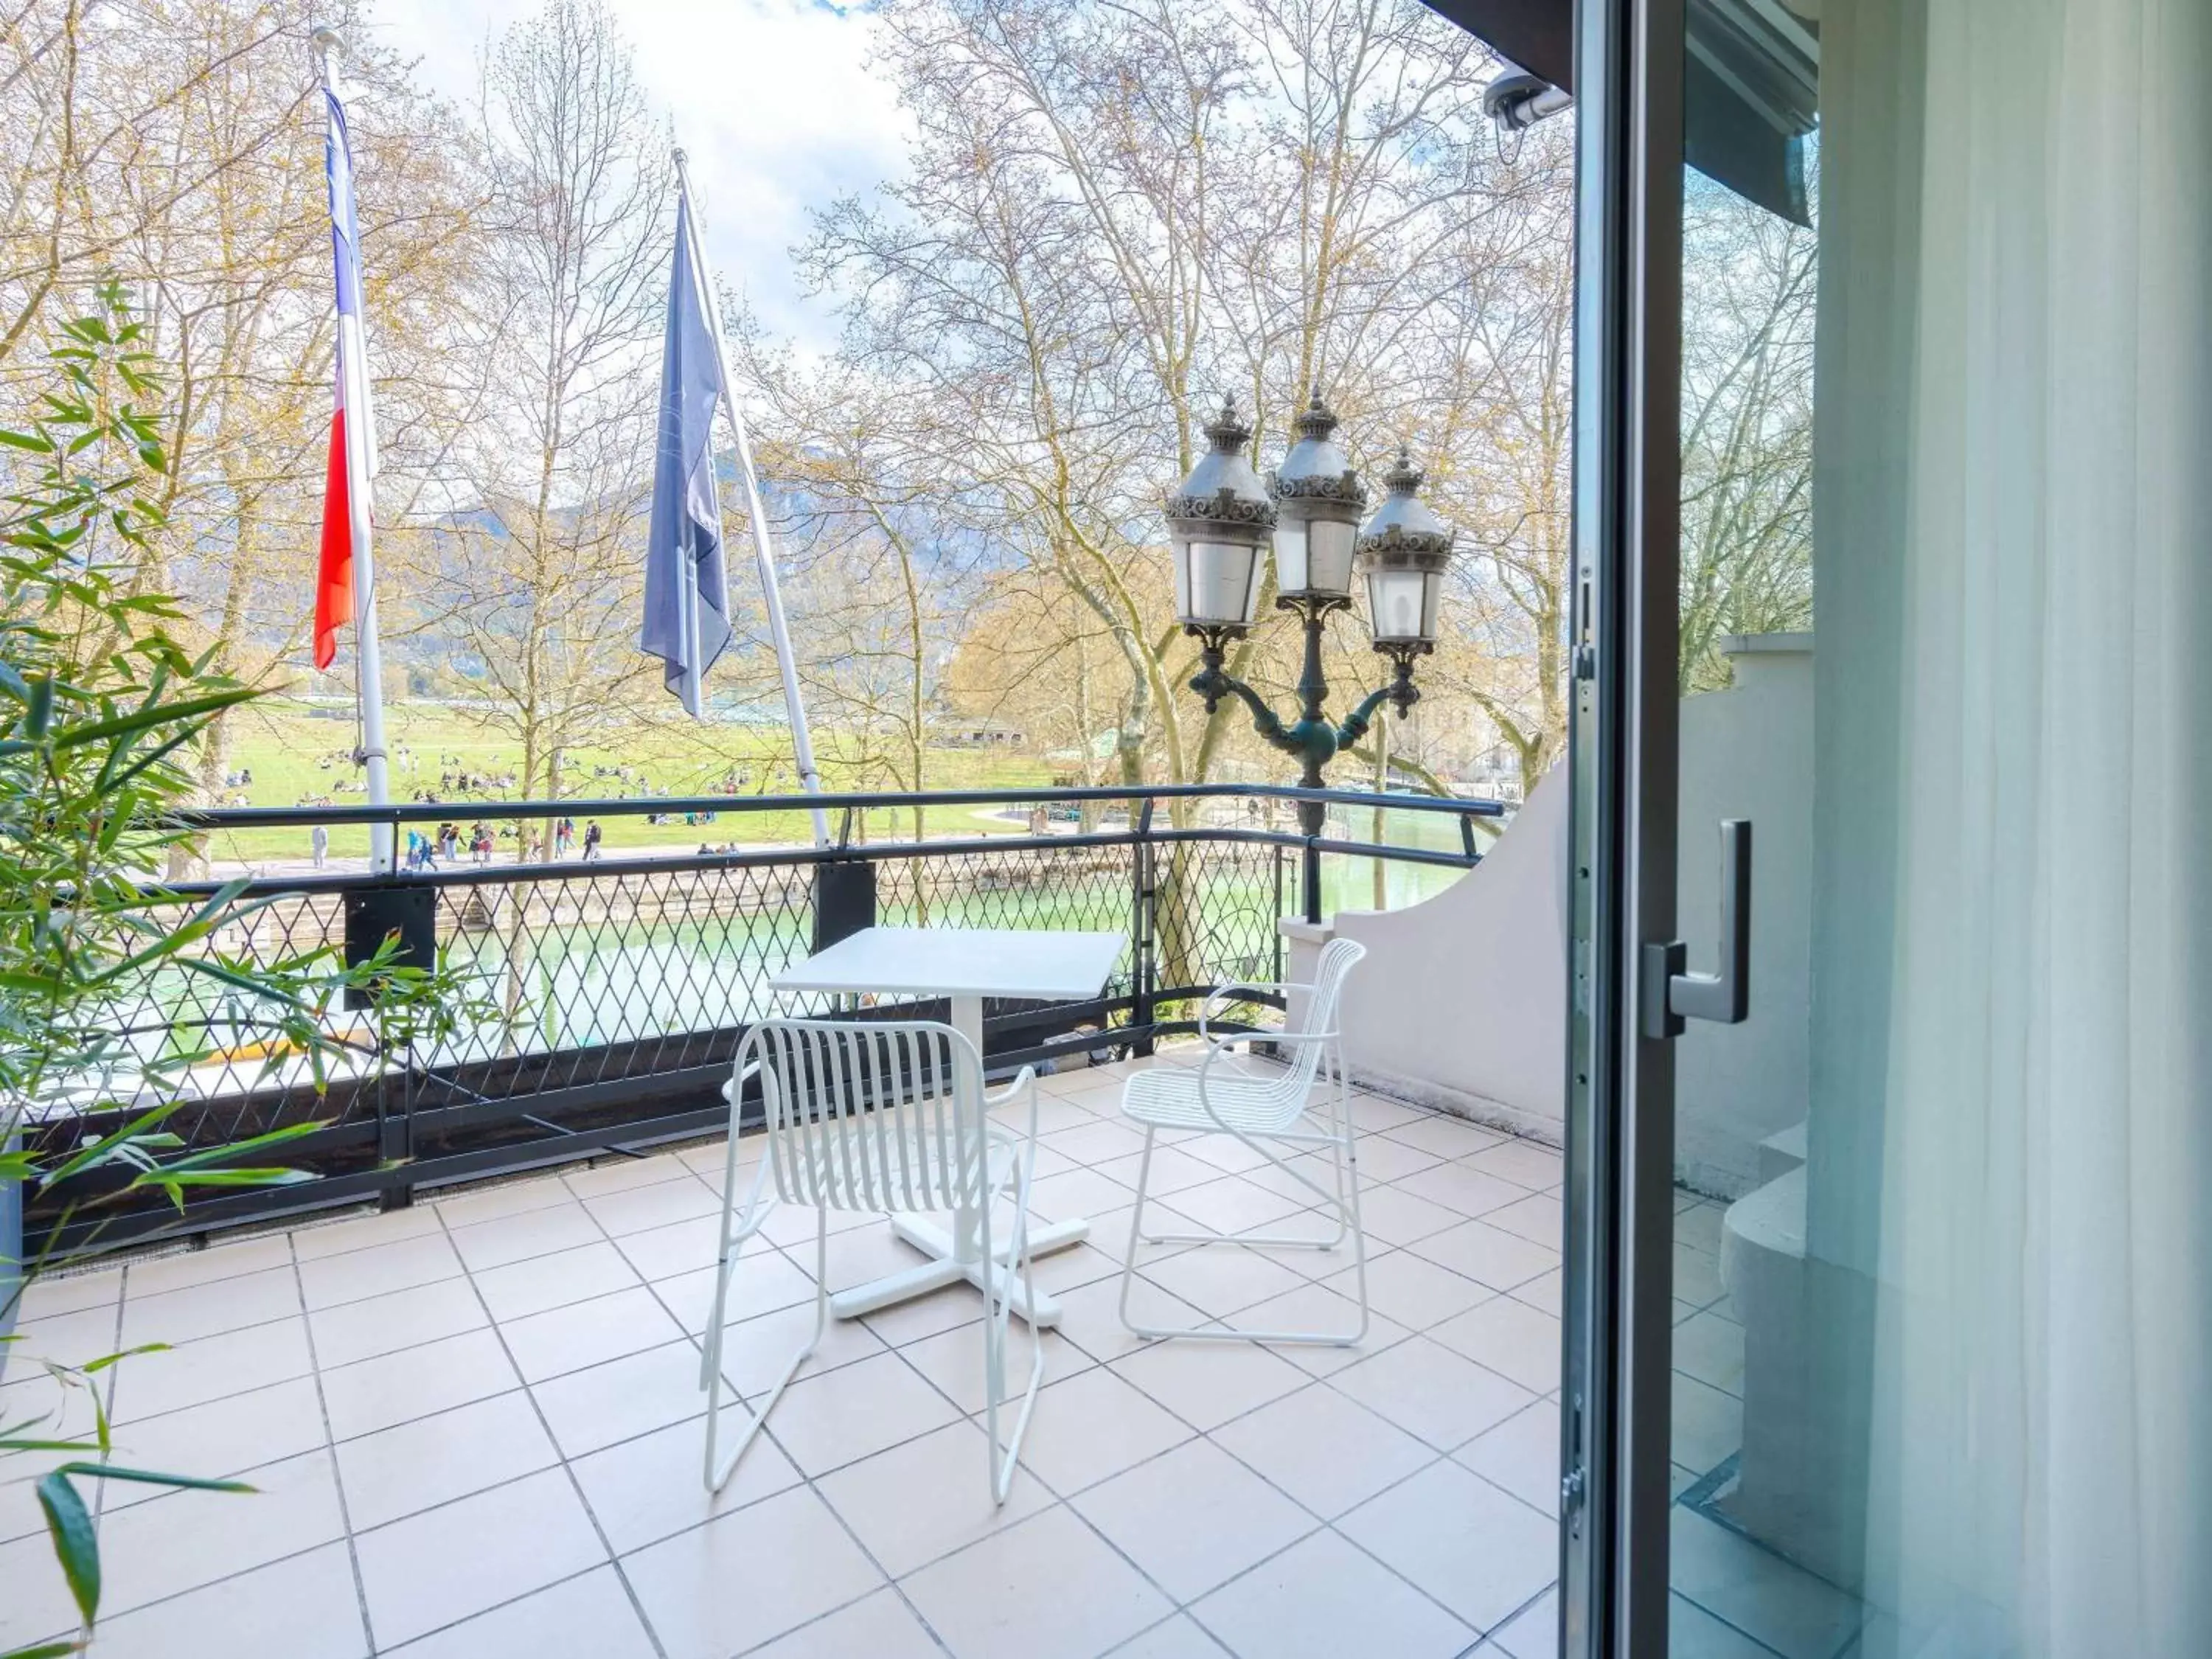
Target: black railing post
(1311, 877)
(1144, 923)
(1278, 913)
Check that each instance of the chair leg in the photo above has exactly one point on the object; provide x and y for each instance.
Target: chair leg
(1345, 1201)
(1269, 1241)
(718, 1473)
(1006, 1458)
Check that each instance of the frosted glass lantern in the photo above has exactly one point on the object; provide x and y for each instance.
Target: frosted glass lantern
(1403, 555)
(1219, 521)
(1320, 498)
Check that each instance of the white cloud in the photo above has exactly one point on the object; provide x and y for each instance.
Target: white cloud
(773, 102)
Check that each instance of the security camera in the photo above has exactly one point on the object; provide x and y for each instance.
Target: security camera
(1516, 100)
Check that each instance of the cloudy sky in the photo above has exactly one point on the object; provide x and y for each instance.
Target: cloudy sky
(771, 99)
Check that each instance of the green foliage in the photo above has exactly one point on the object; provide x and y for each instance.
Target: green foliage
(100, 707)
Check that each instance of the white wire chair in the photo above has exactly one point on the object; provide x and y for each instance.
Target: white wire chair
(1218, 1096)
(883, 1117)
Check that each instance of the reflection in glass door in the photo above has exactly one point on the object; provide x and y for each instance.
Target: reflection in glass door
(1938, 1257)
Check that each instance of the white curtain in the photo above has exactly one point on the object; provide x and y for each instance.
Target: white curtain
(2010, 1174)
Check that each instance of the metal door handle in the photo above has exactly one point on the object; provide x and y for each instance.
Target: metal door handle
(1671, 994)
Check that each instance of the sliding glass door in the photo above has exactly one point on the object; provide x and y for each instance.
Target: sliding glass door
(1890, 1284)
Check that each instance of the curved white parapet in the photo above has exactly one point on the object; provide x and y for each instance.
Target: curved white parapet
(1462, 1002)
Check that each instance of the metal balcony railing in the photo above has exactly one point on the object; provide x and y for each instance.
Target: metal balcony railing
(613, 993)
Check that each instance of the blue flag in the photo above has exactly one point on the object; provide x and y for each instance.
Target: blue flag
(687, 595)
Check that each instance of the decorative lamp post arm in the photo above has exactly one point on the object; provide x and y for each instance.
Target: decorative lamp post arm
(1401, 691)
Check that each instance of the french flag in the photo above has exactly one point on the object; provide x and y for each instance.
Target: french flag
(353, 429)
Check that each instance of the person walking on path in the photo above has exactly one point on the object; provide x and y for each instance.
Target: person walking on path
(319, 843)
(564, 837)
(591, 839)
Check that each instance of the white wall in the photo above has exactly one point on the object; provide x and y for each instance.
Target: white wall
(1461, 1001)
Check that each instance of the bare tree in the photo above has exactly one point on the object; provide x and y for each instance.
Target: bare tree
(533, 568)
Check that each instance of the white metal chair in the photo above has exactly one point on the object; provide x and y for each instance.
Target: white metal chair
(1276, 1105)
(886, 1118)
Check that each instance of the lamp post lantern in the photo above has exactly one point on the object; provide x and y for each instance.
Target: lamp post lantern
(1221, 522)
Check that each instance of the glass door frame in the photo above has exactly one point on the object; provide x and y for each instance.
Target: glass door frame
(1615, 1400)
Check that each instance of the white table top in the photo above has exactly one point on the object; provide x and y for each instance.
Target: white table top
(1024, 963)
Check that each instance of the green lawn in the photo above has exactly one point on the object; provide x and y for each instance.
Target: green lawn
(295, 753)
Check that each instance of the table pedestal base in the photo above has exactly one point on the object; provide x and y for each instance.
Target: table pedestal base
(948, 1266)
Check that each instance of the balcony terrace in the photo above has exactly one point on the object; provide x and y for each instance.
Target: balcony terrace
(475, 1425)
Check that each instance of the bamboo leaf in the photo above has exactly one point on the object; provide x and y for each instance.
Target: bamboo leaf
(76, 1547)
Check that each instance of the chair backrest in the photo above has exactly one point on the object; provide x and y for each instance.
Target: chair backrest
(871, 1115)
(1324, 1004)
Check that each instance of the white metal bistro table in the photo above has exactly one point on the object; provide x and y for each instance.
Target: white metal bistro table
(967, 965)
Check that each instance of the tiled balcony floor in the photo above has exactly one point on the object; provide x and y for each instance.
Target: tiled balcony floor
(475, 1428)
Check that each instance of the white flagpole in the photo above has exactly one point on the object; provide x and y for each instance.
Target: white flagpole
(802, 743)
(361, 451)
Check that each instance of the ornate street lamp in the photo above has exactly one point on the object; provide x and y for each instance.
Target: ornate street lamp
(1222, 520)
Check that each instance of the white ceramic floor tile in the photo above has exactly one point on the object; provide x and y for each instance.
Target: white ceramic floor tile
(953, 1362)
(1091, 1315)
(1391, 1215)
(1231, 1203)
(183, 1539)
(1206, 1383)
(923, 1500)
(1323, 1599)
(1521, 1454)
(1179, 1638)
(755, 1354)
(1047, 1588)
(213, 1367)
(1539, 1218)
(624, 1175)
(395, 1388)
(328, 1280)
(219, 1260)
(1489, 1255)
(466, 1556)
(1533, 1633)
(37, 1605)
(522, 1237)
(507, 1197)
(680, 1247)
(654, 1486)
(1431, 1392)
(1326, 1451)
(1480, 1552)
(1317, 1307)
(1525, 1163)
(306, 1607)
(838, 1417)
(560, 1340)
(1381, 1159)
(1411, 1292)
(877, 1626)
(220, 1439)
(1221, 1279)
(1444, 1136)
(1457, 1186)
(52, 1294)
(1193, 1518)
(793, 1558)
(401, 1319)
(639, 1208)
(397, 1472)
(1508, 1337)
(760, 1283)
(588, 1617)
(210, 1310)
(1547, 1292)
(522, 1288)
(361, 1232)
(603, 1404)
(1092, 1425)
